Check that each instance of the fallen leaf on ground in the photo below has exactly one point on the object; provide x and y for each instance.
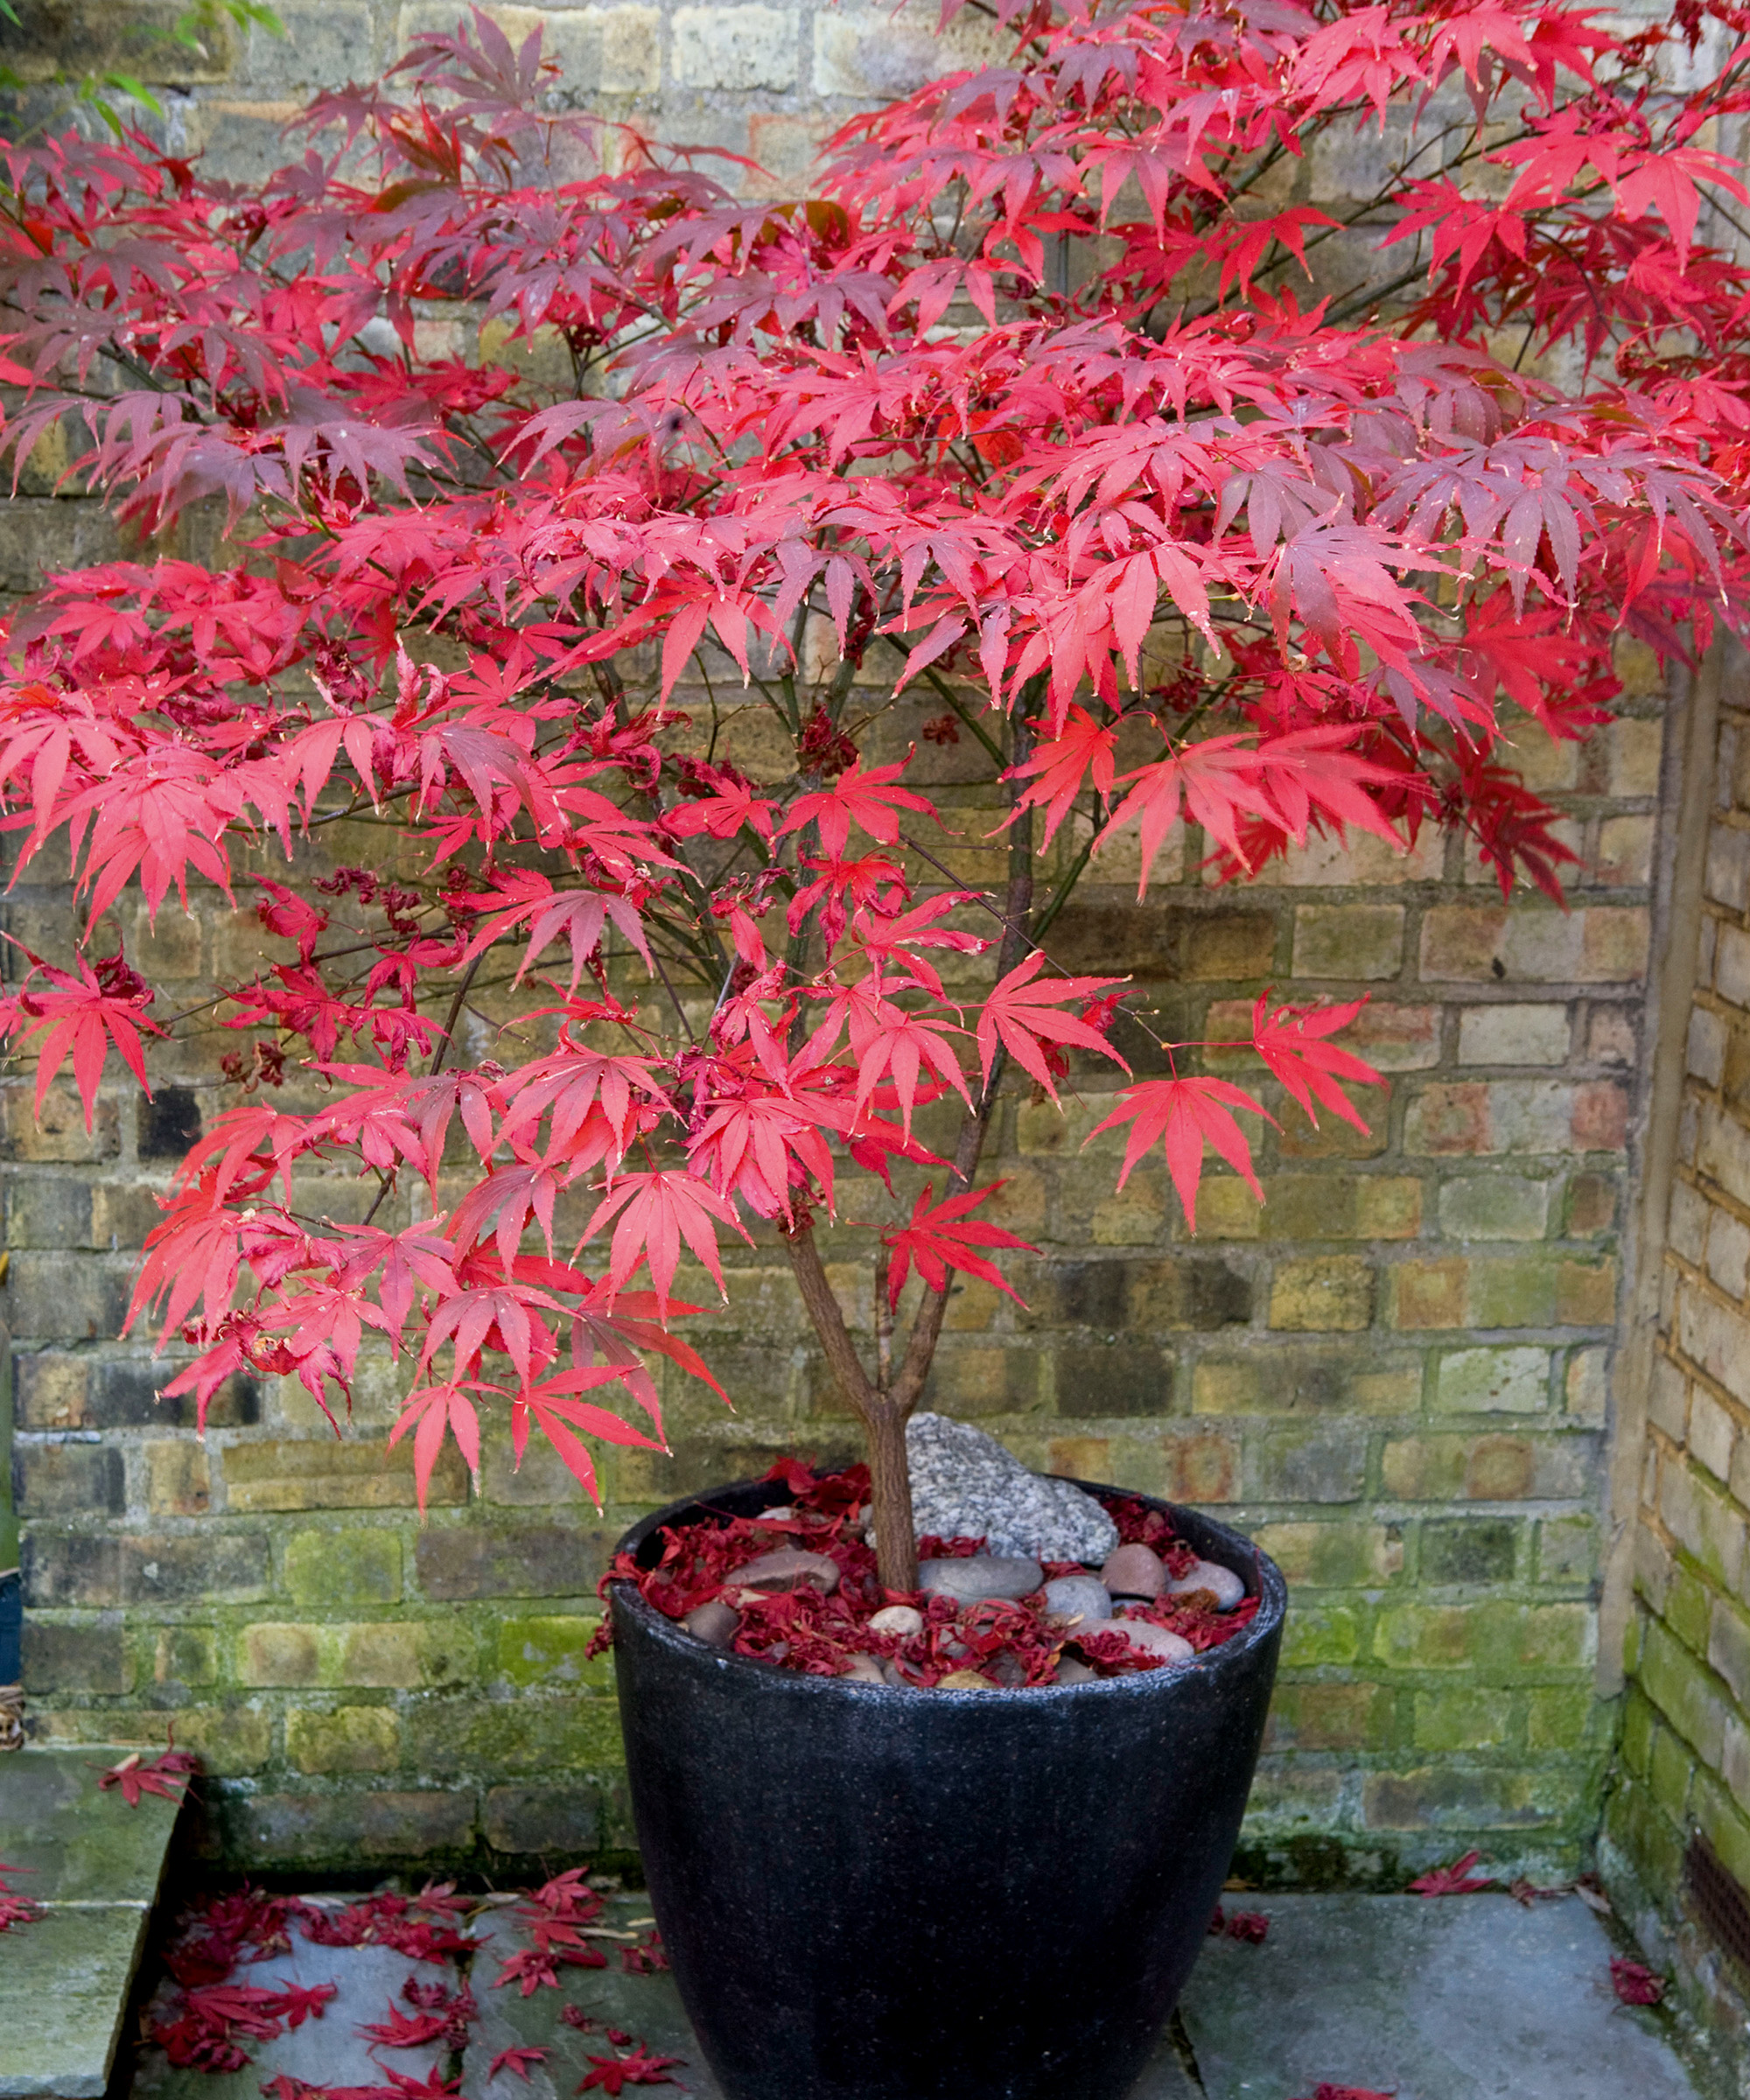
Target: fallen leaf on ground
(514, 2060)
(612, 2074)
(1454, 1880)
(1635, 1984)
(167, 1775)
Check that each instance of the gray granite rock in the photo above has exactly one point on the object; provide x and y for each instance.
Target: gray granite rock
(982, 1575)
(1078, 1597)
(965, 1485)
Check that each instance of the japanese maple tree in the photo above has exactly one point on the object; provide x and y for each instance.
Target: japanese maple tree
(1044, 402)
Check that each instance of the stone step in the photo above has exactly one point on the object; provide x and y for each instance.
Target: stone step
(94, 1865)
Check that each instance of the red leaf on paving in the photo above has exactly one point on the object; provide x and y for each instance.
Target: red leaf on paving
(167, 1775)
(612, 2074)
(1634, 1983)
(514, 2060)
(1454, 1880)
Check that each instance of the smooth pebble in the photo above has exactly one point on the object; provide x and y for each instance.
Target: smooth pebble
(1144, 1633)
(902, 1620)
(981, 1575)
(1222, 1584)
(1069, 1671)
(1072, 1598)
(864, 1669)
(1134, 1572)
(714, 1622)
(965, 1680)
(785, 1569)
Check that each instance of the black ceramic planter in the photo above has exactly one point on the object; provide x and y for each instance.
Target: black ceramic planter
(870, 1893)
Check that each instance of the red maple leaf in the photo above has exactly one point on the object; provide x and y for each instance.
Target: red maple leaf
(167, 1775)
(612, 2074)
(1291, 1041)
(1350, 2092)
(517, 2059)
(1182, 1114)
(1454, 1880)
(1634, 1983)
(1020, 1014)
(941, 1237)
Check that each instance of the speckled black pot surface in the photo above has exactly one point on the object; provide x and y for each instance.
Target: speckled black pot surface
(868, 1894)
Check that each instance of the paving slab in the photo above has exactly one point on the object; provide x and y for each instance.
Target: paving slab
(648, 2007)
(327, 2049)
(63, 1984)
(1464, 1998)
(94, 1865)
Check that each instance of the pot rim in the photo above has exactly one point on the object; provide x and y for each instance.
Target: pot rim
(1271, 1591)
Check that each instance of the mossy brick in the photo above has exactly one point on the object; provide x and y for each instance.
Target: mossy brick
(1723, 1826)
(460, 1563)
(337, 1829)
(1728, 1646)
(1474, 1551)
(56, 1135)
(348, 1739)
(970, 1381)
(1493, 1206)
(68, 1479)
(179, 1478)
(459, 1738)
(1567, 1548)
(1705, 1521)
(1586, 1387)
(1686, 1609)
(1330, 1293)
(693, 1464)
(49, 1214)
(78, 1656)
(1639, 1719)
(1317, 1463)
(1510, 1381)
(545, 1822)
(56, 1391)
(1562, 1718)
(1287, 1797)
(552, 1651)
(1333, 1555)
(402, 1655)
(1204, 944)
(326, 1472)
(1198, 1466)
(185, 1655)
(332, 1570)
(207, 1566)
(1442, 1797)
(1685, 1691)
(1329, 1717)
(68, 1297)
(1514, 1033)
(1362, 942)
(1590, 1204)
(1495, 1468)
(1671, 1773)
(1190, 1293)
(68, 1569)
(1471, 1720)
(1315, 1381)
(1331, 1137)
(1314, 1635)
(1422, 1637)
(271, 1653)
(1101, 1379)
(1423, 1295)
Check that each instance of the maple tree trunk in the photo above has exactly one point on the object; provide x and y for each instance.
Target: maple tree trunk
(882, 1406)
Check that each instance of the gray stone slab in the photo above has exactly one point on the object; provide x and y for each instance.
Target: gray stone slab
(326, 2051)
(78, 1844)
(647, 2006)
(1469, 1998)
(64, 1982)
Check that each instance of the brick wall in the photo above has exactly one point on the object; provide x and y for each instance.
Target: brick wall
(1684, 1766)
(1396, 1375)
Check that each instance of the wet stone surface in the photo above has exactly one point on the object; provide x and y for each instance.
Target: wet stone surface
(93, 1863)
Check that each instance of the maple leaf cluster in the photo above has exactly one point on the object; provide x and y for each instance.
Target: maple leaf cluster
(1178, 551)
